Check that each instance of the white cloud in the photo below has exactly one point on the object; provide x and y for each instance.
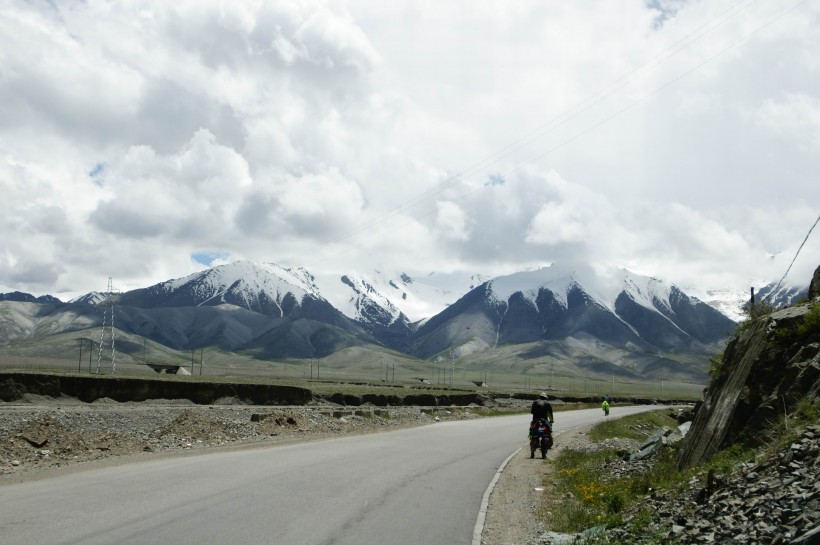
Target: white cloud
(559, 223)
(451, 221)
(795, 116)
(678, 138)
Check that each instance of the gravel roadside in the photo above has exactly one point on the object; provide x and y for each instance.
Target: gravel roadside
(516, 500)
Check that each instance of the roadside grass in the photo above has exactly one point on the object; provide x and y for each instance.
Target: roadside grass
(589, 495)
(585, 495)
(637, 427)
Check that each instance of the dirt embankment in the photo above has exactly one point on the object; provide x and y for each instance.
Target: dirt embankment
(60, 433)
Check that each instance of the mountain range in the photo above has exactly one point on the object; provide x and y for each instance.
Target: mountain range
(617, 322)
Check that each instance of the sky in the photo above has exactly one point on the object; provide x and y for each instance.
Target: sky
(144, 141)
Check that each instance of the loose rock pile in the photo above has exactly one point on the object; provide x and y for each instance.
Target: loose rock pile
(774, 501)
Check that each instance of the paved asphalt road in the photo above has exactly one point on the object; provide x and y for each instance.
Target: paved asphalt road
(417, 486)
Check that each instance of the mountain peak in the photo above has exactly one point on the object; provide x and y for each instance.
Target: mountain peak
(266, 277)
(604, 286)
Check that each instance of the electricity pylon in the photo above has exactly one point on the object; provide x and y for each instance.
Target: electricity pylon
(107, 332)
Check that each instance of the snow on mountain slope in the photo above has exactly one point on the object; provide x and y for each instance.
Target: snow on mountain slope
(529, 283)
(728, 301)
(603, 286)
(248, 279)
(647, 291)
(259, 287)
(92, 298)
(366, 303)
(418, 298)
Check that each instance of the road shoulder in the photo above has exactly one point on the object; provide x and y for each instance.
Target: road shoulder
(512, 516)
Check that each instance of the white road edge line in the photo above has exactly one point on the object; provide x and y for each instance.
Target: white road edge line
(485, 501)
(482, 512)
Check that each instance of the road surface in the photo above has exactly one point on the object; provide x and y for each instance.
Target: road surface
(416, 486)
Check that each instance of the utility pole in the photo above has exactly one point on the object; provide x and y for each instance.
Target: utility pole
(452, 368)
(80, 361)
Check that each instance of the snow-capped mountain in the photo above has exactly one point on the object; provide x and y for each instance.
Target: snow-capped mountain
(91, 298)
(387, 297)
(732, 302)
(275, 312)
(618, 308)
(780, 297)
(265, 288)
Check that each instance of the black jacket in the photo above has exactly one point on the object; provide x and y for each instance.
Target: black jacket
(541, 409)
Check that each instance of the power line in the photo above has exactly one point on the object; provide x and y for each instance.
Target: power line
(793, 260)
(440, 188)
(661, 88)
(574, 111)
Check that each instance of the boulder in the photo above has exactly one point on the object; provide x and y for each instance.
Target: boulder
(767, 369)
(814, 286)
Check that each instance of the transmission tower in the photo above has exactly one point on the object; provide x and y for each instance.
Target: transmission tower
(107, 332)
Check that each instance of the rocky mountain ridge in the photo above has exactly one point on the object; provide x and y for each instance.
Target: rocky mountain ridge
(275, 312)
(634, 327)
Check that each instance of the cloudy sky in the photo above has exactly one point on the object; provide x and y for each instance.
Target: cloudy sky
(147, 140)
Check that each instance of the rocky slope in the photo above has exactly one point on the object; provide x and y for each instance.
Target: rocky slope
(770, 367)
(772, 500)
